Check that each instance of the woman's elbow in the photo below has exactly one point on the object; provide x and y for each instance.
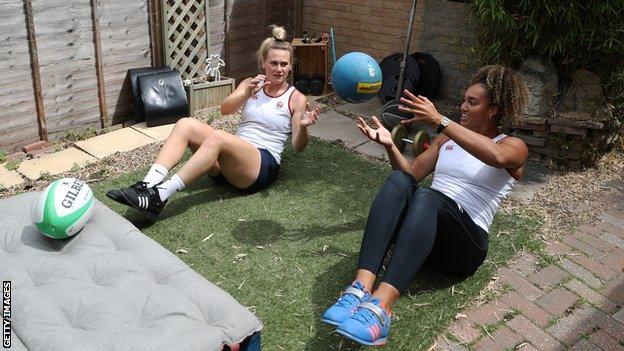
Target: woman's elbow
(504, 161)
(225, 110)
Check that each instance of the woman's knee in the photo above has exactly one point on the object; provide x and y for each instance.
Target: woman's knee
(183, 126)
(215, 139)
(425, 196)
(401, 179)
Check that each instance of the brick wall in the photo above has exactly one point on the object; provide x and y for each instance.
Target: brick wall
(450, 36)
(375, 27)
(378, 27)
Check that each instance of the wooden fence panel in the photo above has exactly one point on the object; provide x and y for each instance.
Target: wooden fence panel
(67, 59)
(18, 115)
(125, 38)
(65, 42)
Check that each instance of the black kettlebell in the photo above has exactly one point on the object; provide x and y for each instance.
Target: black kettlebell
(317, 82)
(302, 83)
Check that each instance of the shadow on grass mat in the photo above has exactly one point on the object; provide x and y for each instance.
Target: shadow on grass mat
(288, 251)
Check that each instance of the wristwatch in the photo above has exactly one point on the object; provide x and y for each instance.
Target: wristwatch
(444, 122)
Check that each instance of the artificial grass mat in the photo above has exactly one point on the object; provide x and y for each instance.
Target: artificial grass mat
(288, 252)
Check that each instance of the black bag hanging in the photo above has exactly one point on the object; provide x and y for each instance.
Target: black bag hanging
(134, 74)
(164, 98)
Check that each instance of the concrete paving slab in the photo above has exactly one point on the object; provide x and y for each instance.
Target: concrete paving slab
(124, 139)
(535, 176)
(56, 163)
(9, 178)
(312, 98)
(333, 126)
(366, 109)
(160, 133)
(373, 149)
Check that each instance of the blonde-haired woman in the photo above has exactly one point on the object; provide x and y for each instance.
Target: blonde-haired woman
(272, 110)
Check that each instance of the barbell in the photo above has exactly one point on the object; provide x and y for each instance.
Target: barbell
(420, 142)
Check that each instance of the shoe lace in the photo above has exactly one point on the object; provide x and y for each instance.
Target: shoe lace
(140, 184)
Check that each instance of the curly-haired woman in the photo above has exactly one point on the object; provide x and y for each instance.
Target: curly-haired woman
(474, 167)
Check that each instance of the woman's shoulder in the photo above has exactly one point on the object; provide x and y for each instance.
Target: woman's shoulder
(440, 140)
(510, 140)
(297, 99)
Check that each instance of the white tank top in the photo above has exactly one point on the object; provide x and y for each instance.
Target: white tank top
(475, 186)
(265, 121)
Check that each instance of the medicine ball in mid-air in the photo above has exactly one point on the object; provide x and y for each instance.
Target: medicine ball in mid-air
(356, 77)
(63, 208)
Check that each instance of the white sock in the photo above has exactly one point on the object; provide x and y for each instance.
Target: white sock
(170, 187)
(155, 175)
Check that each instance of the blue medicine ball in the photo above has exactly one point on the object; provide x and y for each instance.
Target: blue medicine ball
(356, 77)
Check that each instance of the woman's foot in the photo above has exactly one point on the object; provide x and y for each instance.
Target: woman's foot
(115, 194)
(346, 305)
(369, 325)
(140, 197)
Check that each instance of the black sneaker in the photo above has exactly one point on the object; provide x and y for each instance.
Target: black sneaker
(115, 194)
(144, 199)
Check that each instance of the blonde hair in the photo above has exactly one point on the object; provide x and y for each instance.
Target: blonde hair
(506, 89)
(277, 40)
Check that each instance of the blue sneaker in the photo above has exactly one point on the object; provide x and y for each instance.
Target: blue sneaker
(346, 305)
(369, 325)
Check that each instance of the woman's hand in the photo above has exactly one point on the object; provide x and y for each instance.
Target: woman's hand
(256, 83)
(380, 135)
(310, 116)
(421, 108)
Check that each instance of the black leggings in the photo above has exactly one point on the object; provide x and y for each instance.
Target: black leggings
(424, 225)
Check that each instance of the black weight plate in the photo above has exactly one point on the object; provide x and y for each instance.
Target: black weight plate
(388, 91)
(302, 83)
(391, 65)
(429, 74)
(316, 85)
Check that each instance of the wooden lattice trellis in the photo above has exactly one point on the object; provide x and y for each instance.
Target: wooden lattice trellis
(186, 35)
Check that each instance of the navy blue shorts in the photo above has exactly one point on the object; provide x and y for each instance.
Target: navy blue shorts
(268, 172)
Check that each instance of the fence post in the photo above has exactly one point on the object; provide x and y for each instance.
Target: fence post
(156, 35)
(35, 70)
(95, 20)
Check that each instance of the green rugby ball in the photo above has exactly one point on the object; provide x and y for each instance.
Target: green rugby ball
(63, 208)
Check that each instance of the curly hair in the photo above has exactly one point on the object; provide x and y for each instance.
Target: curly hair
(506, 89)
(277, 40)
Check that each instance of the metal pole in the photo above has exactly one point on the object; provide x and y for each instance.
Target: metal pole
(407, 45)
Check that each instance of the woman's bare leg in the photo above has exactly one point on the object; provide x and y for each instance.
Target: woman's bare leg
(238, 160)
(388, 295)
(366, 277)
(187, 132)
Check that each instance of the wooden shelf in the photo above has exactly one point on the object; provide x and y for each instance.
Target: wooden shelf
(311, 59)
